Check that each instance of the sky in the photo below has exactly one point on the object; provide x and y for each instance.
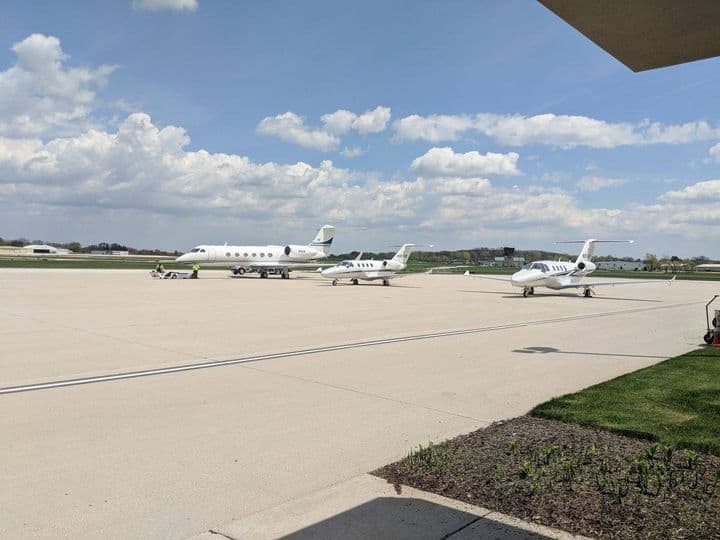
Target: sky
(170, 123)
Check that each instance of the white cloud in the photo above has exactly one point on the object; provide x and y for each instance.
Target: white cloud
(342, 121)
(596, 183)
(40, 95)
(434, 128)
(373, 121)
(563, 131)
(291, 128)
(689, 212)
(162, 5)
(702, 192)
(338, 122)
(352, 152)
(446, 163)
(715, 152)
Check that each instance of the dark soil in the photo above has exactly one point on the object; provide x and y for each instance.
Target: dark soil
(579, 479)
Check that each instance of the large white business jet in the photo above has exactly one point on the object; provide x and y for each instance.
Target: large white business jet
(370, 269)
(265, 260)
(558, 275)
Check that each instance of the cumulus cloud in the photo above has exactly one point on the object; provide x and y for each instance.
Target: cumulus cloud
(291, 128)
(596, 183)
(373, 121)
(338, 122)
(352, 152)
(165, 5)
(688, 212)
(55, 155)
(444, 162)
(702, 192)
(564, 131)
(342, 121)
(434, 128)
(715, 152)
(40, 95)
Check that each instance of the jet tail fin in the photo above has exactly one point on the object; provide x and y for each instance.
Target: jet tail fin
(323, 239)
(403, 253)
(588, 248)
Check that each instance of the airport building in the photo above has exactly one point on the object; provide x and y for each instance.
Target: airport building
(44, 249)
(710, 267)
(621, 265)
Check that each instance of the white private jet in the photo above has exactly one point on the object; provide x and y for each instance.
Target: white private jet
(370, 270)
(558, 275)
(265, 260)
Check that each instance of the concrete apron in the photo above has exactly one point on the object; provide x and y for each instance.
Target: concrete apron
(369, 507)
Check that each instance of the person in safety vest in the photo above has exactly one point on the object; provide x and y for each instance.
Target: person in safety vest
(195, 270)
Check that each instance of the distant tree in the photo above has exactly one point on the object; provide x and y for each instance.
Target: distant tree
(651, 261)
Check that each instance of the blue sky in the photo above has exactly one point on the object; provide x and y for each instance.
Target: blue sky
(173, 122)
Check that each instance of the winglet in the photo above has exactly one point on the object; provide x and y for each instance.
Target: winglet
(467, 273)
(671, 280)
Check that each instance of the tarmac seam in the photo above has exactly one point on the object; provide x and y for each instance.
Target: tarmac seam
(318, 350)
(463, 527)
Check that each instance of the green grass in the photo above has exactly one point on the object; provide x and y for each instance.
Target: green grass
(80, 263)
(675, 402)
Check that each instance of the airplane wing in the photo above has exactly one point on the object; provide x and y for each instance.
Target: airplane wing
(271, 264)
(382, 275)
(574, 282)
(434, 268)
(489, 276)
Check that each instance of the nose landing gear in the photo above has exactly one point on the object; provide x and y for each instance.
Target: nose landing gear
(528, 291)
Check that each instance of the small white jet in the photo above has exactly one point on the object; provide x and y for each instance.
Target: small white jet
(558, 275)
(265, 260)
(370, 270)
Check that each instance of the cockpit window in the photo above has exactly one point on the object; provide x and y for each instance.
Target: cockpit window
(194, 250)
(539, 266)
(202, 251)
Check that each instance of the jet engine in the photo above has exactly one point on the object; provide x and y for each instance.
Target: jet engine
(296, 252)
(586, 266)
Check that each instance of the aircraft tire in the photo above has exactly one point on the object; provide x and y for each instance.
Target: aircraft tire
(355, 282)
(587, 293)
(532, 290)
(525, 293)
(709, 337)
(263, 274)
(386, 283)
(334, 282)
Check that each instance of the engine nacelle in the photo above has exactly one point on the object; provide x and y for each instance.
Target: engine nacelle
(296, 252)
(586, 266)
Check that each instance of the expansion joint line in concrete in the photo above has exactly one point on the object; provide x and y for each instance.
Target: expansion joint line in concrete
(319, 350)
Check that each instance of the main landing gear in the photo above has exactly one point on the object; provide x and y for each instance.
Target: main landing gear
(528, 291)
(386, 282)
(354, 281)
(334, 282)
(588, 293)
(285, 274)
(263, 274)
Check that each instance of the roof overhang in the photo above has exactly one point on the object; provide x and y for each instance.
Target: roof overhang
(646, 34)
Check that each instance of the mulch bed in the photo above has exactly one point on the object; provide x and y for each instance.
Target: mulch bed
(579, 479)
